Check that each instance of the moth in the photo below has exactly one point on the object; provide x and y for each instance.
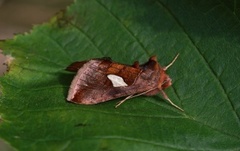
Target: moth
(100, 80)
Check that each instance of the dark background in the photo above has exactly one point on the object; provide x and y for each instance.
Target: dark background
(18, 16)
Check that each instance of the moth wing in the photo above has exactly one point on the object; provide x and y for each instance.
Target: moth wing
(75, 66)
(91, 85)
(128, 73)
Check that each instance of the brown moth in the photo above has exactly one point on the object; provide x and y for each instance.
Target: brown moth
(101, 80)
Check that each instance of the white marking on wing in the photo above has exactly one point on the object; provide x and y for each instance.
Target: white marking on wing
(117, 81)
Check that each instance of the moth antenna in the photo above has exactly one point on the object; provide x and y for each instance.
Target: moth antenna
(170, 64)
(166, 97)
(133, 96)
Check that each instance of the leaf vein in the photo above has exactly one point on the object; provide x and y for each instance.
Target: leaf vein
(58, 45)
(87, 37)
(214, 74)
(124, 27)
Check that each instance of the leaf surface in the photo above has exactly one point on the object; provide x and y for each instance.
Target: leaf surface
(36, 116)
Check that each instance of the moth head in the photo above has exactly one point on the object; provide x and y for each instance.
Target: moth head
(164, 80)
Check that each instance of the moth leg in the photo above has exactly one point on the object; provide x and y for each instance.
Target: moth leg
(120, 102)
(132, 96)
(167, 98)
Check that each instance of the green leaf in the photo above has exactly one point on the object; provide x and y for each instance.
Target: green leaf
(36, 116)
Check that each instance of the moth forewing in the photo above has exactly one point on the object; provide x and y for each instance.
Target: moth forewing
(117, 81)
